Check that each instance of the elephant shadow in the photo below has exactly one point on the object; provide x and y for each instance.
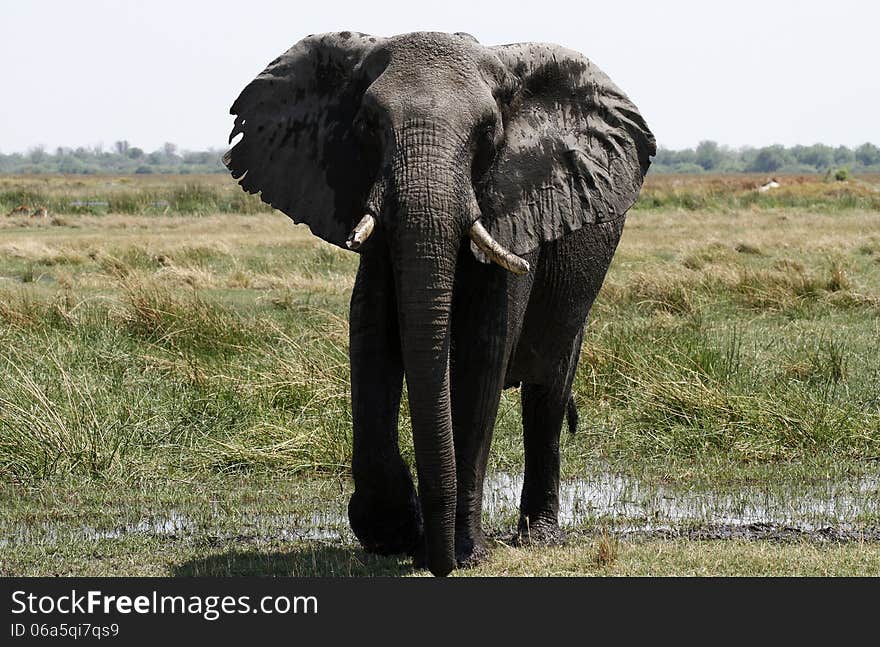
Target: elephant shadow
(308, 560)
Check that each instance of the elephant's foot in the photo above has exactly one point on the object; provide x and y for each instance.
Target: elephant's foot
(538, 532)
(470, 551)
(386, 525)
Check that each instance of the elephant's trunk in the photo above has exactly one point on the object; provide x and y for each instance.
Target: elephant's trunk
(424, 311)
(428, 231)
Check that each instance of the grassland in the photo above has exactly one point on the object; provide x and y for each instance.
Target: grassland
(582, 557)
(171, 344)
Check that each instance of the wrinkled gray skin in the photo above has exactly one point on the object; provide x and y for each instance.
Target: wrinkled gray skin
(429, 132)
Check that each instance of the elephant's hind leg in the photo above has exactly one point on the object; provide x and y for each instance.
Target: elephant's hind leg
(384, 510)
(544, 408)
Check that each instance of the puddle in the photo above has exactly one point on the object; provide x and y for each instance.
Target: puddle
(172, 523)
(631, 505)
(832, 510)
(326, 525)
(175, 523)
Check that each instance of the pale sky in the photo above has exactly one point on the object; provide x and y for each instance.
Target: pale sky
(83, 72)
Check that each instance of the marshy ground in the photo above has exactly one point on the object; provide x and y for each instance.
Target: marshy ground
(174, 387)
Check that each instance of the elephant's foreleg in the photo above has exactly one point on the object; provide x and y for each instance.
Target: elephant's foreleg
(477, 368)
(384, 510)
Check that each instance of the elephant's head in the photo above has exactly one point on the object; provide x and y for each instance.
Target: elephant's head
(436, 140)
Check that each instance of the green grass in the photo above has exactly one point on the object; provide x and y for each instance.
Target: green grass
(733, 345)
(212, 193)
(132, 195)
(156, 382)
(739, 192)
(146, 556)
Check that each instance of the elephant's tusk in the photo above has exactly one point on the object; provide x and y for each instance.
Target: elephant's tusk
(361, 232)
(495, 252)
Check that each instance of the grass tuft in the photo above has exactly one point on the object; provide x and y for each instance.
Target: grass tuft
(607, 550)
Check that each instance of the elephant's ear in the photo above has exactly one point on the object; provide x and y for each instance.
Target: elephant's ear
(576, 149)
(299, 148)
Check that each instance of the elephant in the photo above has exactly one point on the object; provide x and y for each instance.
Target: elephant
(485, 189)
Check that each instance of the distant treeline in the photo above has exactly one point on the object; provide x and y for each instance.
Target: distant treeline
(708, 156)
(121, 159)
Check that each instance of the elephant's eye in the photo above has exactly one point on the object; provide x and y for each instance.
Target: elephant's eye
(365, 128)
(360, 124)
(484, 147)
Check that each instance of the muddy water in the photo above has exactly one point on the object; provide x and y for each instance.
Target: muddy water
(835, 510)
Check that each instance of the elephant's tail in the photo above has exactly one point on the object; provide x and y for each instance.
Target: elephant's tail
(571, 414)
